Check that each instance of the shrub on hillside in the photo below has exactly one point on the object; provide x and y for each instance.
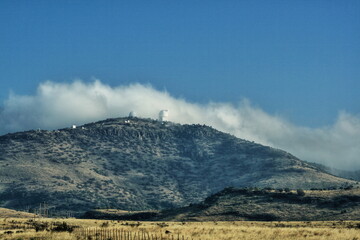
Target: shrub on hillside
(63, 227)
(300, 192)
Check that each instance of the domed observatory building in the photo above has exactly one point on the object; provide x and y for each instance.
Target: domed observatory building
(132, 114)
(164, 115)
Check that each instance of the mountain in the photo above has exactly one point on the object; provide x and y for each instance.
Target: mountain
(232, 204)
(139, 164)
(270, 205)
(352, 175)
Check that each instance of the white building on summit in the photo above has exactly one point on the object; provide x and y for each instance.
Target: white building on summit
(163, 115)
(132, 114)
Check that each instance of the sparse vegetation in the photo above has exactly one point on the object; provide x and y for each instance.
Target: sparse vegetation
(255, 204)
(141, 165)
(22, 229)
(147, 165)
(300, 192)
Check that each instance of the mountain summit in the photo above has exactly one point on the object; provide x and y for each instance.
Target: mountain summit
(136, 164)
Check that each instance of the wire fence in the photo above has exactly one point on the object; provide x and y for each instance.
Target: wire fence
(120, 234)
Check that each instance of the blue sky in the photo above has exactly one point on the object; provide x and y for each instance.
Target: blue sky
(281, 73)
(296, 59)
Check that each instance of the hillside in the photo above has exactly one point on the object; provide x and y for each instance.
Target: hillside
(234, 204)
(9, 213)
(141, 164)
(265, 205)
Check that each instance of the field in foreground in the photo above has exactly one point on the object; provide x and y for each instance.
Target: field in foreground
(68, 229)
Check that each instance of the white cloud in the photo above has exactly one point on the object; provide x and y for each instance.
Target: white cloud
(58, 105)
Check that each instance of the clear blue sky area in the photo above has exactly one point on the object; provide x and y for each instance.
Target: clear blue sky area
(299, 59)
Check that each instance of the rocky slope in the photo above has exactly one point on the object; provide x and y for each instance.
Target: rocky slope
(141, 164)
(232, 204)
(269, 205)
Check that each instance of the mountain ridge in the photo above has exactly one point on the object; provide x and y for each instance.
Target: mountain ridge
(253, 204)
(139, 164)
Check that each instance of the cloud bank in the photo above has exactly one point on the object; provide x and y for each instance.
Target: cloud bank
(59, 105)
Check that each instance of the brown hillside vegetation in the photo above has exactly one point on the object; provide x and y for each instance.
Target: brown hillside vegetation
(257, 205)
(141, 164)
(75, 229)
(9, 213)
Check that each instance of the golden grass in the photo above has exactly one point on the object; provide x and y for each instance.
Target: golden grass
(5, 213)
(330, 230)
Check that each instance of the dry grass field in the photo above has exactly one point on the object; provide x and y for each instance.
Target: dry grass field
(25, 228)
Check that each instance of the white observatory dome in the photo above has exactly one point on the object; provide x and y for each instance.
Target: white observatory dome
(132, 114)
(163, 115)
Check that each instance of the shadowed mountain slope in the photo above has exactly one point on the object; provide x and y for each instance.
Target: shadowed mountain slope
(141, 164)
(232, 204)
(269, 205)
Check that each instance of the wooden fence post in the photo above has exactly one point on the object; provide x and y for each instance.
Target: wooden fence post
(121, 234)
